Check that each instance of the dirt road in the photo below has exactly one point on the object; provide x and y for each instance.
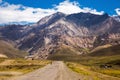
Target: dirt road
(55, 71)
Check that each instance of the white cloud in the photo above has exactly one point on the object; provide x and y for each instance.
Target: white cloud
(68, 7)
(19, 13)
(93, 11)
(117, 11)
(74, 7)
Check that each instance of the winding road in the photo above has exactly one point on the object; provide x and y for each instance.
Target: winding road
(55, 71)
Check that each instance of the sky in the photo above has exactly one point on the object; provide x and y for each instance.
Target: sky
(32, 11)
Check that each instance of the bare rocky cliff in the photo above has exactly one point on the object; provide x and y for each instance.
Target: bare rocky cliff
(75, 31)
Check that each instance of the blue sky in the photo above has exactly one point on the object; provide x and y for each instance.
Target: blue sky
(33, 10)
(101, 5)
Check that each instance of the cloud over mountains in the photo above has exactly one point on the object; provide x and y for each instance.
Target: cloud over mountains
(19, 13)
(117, 11)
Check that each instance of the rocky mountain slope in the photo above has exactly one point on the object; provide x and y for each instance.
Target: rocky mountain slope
(106, 50)
(7, 50)
(77, 32)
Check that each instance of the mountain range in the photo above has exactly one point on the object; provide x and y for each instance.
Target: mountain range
(79, 33)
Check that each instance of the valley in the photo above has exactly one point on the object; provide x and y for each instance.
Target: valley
(84, 67)
(80, 46)
(36, 69)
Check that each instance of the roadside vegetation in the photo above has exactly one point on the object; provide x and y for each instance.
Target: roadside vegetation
(88, 73)
(12, 67)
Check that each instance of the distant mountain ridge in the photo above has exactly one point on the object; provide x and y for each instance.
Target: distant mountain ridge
(75, 31)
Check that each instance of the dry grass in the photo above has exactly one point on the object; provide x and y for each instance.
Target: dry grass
(88, 73)
(22, 66)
